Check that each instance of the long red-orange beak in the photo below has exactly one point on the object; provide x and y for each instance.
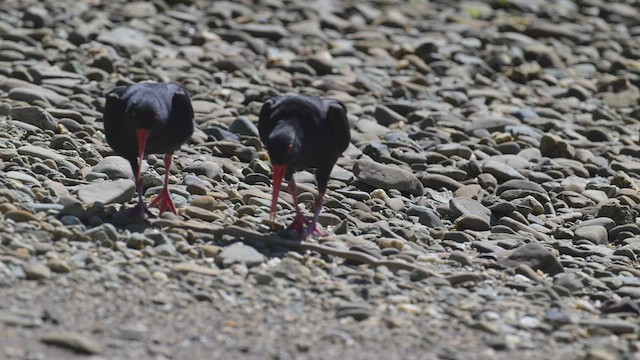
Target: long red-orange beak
(278, 174)
(143, 137)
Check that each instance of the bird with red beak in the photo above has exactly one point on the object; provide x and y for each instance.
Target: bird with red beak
(302, 132)
(148, 118)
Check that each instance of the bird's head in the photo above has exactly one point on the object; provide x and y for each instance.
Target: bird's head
(145, 116)
(284, 150)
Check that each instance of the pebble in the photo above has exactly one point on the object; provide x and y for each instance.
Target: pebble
(74, 341)
(39, 152)
(239, 253)
(186, 268)
(535, 256)
(115, 167)
(208, 169)
(107, 192)
(597, 234)
(387, 177)
(34, 116)
(37, 271)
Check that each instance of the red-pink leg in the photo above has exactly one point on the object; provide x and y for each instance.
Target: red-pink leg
(315, 228)
(300, 221)
(163, 200)
(140, 210)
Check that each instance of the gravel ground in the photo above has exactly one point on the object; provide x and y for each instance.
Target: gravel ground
(486, 208)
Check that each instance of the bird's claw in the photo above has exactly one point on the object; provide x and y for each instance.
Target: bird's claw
(140, 210)
(163, 202)
(315, 230)
(298, 224)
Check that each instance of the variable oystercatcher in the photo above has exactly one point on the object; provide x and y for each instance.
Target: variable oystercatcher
(303, 132)
(148, 118)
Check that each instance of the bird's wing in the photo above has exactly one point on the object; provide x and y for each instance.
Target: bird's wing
(265, 122)
(181, 103)
(114, 110)
(339, 124)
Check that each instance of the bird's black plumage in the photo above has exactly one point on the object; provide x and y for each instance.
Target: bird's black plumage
(303, 132)
(162, 112)
(174, 124)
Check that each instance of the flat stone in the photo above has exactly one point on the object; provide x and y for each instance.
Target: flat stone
(472, 222)
(116, 167)
(74, 341)
(535, 256)
(185, 268)
(202, 214)
(39, 152)
(23, 178)
(438, 181)
(19, 215)
(34, 116)
(107, 192)
(597, 234)
(127, 39)
(387, 177)
(615, 326)
(466, 206)
(501, 171)
(239, 253)
(36, 271)
(208, 169)
(138, 9)
(519, 185)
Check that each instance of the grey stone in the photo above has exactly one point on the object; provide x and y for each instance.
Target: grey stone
(239, 253)
(208, 169)
(36, 271)
(501, 171)
(535, 256)
(387, 177)
(107, 192)
(34, 116)
(116, 167)
(597, 234)
(126, 39)
(243, 126)
(39, 152)
(74, 341)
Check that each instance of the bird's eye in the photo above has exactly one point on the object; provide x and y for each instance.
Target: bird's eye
(290, 149)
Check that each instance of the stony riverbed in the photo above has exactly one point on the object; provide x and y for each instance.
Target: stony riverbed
(486, 208)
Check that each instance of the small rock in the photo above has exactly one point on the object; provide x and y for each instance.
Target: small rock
(73, 341)
(39, 152)
(115, 167)
(35, 116)
(184, 268)
(597, 234)
(535, 256)
(387, 177)
(208, 169)
(239, 253)
(36, 271)
(107, 192)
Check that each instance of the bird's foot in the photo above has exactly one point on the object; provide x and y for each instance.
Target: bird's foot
(164, 202)
(139, 211)
(314, 229)
(298, 224)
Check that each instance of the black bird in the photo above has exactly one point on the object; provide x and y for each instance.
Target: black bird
(303, 132)
(148, 118)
